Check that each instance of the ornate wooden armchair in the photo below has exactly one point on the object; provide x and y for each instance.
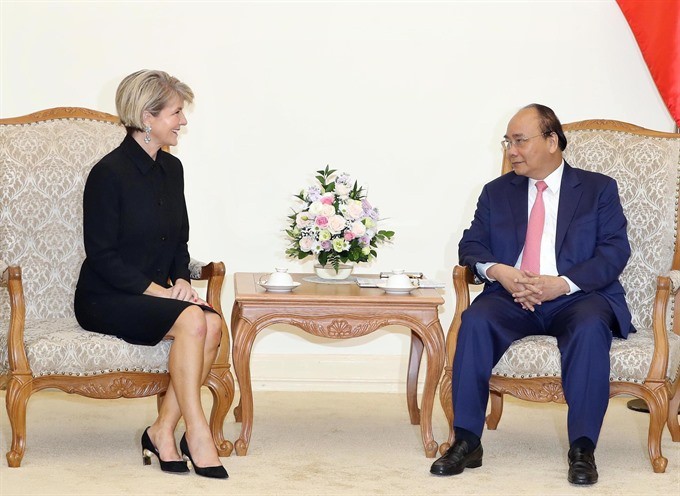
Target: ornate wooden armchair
(45, 158)
(646, 165)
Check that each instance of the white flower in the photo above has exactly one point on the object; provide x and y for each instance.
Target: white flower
(354, 209)
(303, 219)
(358, 228)
(315, 208)
(342, 190)
(336, 223)
(327, 210)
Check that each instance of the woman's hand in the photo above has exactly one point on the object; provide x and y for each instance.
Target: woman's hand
(182, 290)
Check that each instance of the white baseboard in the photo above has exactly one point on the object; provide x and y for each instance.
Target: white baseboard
(332, 373)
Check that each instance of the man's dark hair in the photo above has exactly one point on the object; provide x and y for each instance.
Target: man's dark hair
(549, 123)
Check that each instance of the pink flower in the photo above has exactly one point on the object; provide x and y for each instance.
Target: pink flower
(321, 221)
(328, 199)
(349, 236)
(306, 243)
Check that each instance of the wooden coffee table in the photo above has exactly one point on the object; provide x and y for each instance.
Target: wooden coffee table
(338, 311)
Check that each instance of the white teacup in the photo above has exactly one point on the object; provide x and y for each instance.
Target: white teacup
(279, 278)
(398, 280)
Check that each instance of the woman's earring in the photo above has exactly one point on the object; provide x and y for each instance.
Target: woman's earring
(147, 138)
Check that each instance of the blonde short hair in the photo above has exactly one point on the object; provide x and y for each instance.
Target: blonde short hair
(150, 91)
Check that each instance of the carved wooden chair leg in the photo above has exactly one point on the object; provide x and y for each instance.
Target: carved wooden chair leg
(496, 410)
(412, 378)
(447, 405)
(222, 389)
(673, 409)
(17, 396)
(658, 412)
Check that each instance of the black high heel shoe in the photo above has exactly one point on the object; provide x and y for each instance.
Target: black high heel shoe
(216, 472)
(177, 467)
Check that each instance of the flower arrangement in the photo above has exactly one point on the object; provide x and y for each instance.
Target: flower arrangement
(337, 224)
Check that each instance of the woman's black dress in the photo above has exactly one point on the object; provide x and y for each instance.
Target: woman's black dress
(136, 231)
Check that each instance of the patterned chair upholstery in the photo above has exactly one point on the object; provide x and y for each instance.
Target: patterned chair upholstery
(646, 166)
(44, 161)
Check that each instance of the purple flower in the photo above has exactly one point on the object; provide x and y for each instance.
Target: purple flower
(313, 193)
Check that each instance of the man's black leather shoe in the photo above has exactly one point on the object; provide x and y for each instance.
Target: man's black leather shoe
(457, 458)
(582, 469)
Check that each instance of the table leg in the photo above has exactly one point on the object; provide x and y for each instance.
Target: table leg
(412, 378)
(243, 338)
(433, 341)
(237, 411)
(235, 316)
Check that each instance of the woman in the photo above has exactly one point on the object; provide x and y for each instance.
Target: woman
(136, 232)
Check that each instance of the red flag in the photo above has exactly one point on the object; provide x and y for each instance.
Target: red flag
(656, 26)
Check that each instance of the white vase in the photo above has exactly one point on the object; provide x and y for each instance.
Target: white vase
(329, 272)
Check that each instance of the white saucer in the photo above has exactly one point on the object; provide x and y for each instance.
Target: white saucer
(388, 290)
(275, 288)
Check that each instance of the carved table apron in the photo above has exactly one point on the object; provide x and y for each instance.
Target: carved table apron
(338, 312)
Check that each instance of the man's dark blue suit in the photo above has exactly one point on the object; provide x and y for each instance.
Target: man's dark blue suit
(592, 249)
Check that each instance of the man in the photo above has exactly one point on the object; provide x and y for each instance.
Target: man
(549, 241)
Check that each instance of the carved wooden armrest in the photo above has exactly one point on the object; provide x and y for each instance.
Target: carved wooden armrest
(462, 279)
(18, 361)
(212, 272)
(659, 365)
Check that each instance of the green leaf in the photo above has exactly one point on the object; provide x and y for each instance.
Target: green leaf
(323, 257)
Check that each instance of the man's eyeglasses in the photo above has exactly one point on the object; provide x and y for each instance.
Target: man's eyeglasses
(519, 142)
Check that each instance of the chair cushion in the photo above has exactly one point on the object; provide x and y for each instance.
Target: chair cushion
(62, 347)
(630, 359)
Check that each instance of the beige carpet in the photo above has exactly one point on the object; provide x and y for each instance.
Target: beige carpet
(326, 444)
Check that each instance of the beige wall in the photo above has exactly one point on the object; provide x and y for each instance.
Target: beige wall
(411, 98)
